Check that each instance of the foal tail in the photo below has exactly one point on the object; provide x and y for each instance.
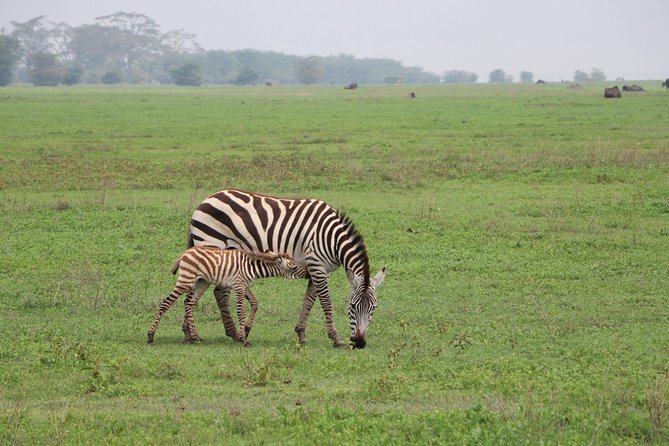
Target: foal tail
(174, 268)
(190, 242)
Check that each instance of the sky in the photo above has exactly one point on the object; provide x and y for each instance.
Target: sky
(551, 39)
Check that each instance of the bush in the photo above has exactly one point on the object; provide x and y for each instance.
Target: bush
(9, 55)
(187, 74)
(45, 70)
(111, 77)
(72, 75)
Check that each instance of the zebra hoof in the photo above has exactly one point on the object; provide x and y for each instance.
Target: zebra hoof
(340, 344)
(301, 338)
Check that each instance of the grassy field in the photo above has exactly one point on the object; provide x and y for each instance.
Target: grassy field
(525, 229)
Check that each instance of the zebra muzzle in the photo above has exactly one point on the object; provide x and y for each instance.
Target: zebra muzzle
(358, 342)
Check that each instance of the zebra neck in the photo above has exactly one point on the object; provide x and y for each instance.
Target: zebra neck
(264, 269)
(352, 251)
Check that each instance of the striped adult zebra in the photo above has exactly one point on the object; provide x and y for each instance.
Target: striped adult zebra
(312, 232)
(201, 266)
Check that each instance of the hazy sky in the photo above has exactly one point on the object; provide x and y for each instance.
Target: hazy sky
(550, 38)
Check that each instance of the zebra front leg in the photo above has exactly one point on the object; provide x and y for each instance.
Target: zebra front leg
(326, 302)
(252, 314)
(240, 291)
(167, 303)
(190, 333)
(309, 299)
(222, 294)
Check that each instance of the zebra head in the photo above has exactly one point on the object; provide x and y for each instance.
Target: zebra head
(362, 305)
(287, 266)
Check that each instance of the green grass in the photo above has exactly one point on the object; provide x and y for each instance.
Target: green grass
(525, 229)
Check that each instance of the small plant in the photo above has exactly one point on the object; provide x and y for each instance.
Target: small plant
(258, 376)
(656, 402)
(444, 327)
(405, 327)
(389, 383)
(61, 205)
(461, 342)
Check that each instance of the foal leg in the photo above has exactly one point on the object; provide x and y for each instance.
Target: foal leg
(240, 291)
(254, 308)
(190, 333)
(167, 303)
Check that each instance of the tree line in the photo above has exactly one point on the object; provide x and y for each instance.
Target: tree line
(131, 48)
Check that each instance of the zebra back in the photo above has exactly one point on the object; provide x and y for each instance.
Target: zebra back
(298, 227)
(218, 265)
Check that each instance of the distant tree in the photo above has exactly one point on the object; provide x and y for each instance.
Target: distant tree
(45, 70)
(219, 67)
(597, 75)
(111, 77)
(136, 40)
(246, 77)
(308, 70)
(580, 76)
(460, 77)
(188, 73)
(9, 56)
(526, 77)
(393, 80)
(498, 76)
(179, 42)
(33, 37)
(60, 36)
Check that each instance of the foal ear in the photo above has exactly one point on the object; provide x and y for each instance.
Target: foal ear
(376, 280)
(271, 254)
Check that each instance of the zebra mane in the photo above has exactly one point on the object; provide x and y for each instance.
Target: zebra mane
(268, 256)
(356, 238)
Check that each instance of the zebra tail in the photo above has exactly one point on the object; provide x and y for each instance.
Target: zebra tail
(174, 269)
(191, 242)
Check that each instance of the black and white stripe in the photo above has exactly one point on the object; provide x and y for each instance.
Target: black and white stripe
(311, 231)
(201, 266)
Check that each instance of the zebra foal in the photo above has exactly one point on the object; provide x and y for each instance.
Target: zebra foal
(228, 269)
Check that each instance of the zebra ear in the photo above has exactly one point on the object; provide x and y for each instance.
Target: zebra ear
(376, 281)
(353, 279)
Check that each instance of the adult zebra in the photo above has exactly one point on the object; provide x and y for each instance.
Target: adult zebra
(312, 232)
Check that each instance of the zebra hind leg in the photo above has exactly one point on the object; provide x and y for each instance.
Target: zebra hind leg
(326, 304)
(164, 306)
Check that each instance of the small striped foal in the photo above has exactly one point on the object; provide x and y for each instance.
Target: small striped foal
(228, 269)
